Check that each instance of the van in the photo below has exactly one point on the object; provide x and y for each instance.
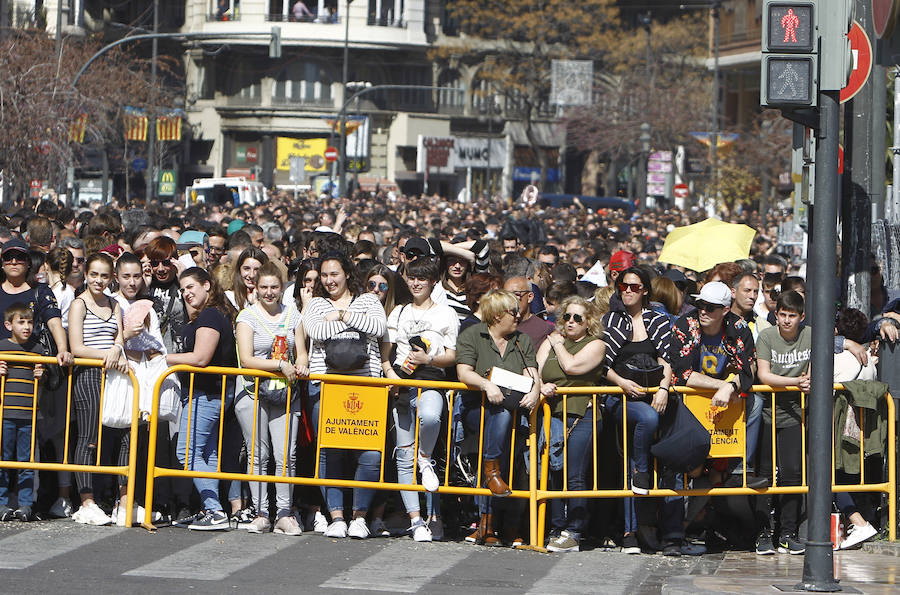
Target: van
(231, 191)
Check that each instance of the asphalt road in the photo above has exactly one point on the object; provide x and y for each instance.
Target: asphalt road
(62, 556)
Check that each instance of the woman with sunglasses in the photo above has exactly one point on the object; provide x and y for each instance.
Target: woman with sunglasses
(243, 291)
(635, 334)
(161, 253)
(495, 342)
(572, 356)
(341, 309)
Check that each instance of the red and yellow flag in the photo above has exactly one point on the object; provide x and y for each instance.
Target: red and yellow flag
(77, 128)
(135, 122)
(168, 128)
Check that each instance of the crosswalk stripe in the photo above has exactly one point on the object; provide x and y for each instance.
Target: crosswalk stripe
(223, 554)
(576, 574)
(30, 547)
(401, 567)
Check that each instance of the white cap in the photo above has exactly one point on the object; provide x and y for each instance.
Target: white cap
(715, 292)
(324, 228)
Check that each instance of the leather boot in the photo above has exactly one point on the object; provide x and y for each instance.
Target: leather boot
(493, 480)
(489, 538)
(477, 536)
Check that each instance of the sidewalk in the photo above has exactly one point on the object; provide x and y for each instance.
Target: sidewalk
(745, 572)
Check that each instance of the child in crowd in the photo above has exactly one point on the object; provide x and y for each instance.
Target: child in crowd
(18, 410)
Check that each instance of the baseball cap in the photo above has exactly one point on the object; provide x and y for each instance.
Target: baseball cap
(235, 225)
(417, 245)
(192, 238)
(715, 292)
(621, 260)
(13, 244)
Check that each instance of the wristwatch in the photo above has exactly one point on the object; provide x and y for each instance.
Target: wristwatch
(736, 385)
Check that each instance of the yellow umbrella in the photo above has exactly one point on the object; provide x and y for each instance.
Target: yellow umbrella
(703, 245)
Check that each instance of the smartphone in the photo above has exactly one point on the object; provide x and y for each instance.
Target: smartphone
(187, 260)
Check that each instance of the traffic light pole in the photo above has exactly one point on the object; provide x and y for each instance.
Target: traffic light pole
(818, 563)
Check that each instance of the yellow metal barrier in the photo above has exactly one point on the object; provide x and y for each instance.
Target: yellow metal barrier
(540, 496)
(128, 471)
(328, 380)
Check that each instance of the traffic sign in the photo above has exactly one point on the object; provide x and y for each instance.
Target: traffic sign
(861, 48)
(884, 15)
(139, 164)
(681, 191)
(331, 154)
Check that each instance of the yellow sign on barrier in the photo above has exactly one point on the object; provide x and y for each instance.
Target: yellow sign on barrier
(353, 416)
(727, 432)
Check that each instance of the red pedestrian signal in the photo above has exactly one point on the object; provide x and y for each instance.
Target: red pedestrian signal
(791, 27)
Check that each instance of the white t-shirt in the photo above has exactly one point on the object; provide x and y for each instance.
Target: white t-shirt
(439, 325)
(64, 295)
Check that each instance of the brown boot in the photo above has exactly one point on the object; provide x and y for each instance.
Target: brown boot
(493, 480)
(477, 536)
(489, 538)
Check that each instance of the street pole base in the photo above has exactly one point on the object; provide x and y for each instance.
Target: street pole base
(826, 587)
(532, 548)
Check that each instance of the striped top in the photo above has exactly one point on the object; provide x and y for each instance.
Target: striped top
(99, 333)
(365, 314)
(457, 301)
(18, 388)
(618, 331)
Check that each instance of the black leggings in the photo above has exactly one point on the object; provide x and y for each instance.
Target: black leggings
(789, 445)
(86, 400)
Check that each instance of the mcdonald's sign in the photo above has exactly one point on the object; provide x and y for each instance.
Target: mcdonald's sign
(166, 183)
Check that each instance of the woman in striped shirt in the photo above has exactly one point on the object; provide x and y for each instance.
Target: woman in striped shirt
(341, 310)
(95, 331)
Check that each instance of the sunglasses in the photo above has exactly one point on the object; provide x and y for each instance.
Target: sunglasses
(79, 259)
(519, 294)
(156, 263)
(707, 307)
(578, 318)
(513, 313)
(382, 287)
(15, 256)
(633, 287)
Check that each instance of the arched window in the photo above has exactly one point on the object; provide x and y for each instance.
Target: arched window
(451, 100)
(485, 100)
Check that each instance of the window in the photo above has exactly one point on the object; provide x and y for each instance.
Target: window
(451, 101)
(304, 83)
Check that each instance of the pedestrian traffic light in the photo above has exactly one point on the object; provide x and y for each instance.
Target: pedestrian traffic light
(789, 54)
(835, 59)
(275, 43)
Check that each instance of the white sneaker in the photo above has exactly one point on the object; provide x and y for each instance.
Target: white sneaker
(319, 522)
(379, 529)
(429, 478)
(90, 514)
(337, 529)
(358, 528)
(288, 525)
(259, 525)
(436, 526)
(62, 508)
(420, 531)
(858, 534)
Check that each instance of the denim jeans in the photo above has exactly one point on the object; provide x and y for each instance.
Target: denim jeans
(571, 514)
(17, 447)
(644, 420)
(428, 409)
(497, 422)
(332, 463)
(204, 412)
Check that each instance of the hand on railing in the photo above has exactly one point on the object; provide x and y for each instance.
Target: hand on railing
(65, 358)
(548, 389)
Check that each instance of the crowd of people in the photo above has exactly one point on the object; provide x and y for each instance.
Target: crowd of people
(414, 288)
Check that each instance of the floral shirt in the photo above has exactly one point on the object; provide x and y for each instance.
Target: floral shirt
(737, 342)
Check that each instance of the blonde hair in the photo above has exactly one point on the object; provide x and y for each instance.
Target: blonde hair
(591, 315)
(601, 299)
(494, 303)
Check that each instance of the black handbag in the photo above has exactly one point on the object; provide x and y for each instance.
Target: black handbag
(642, 369)
(346, 354)
(683, 443)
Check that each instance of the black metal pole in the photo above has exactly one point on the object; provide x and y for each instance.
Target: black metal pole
(151, 118)
(818, 563)
(342, 144)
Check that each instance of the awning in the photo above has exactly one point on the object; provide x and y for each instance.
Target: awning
(369, 184)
